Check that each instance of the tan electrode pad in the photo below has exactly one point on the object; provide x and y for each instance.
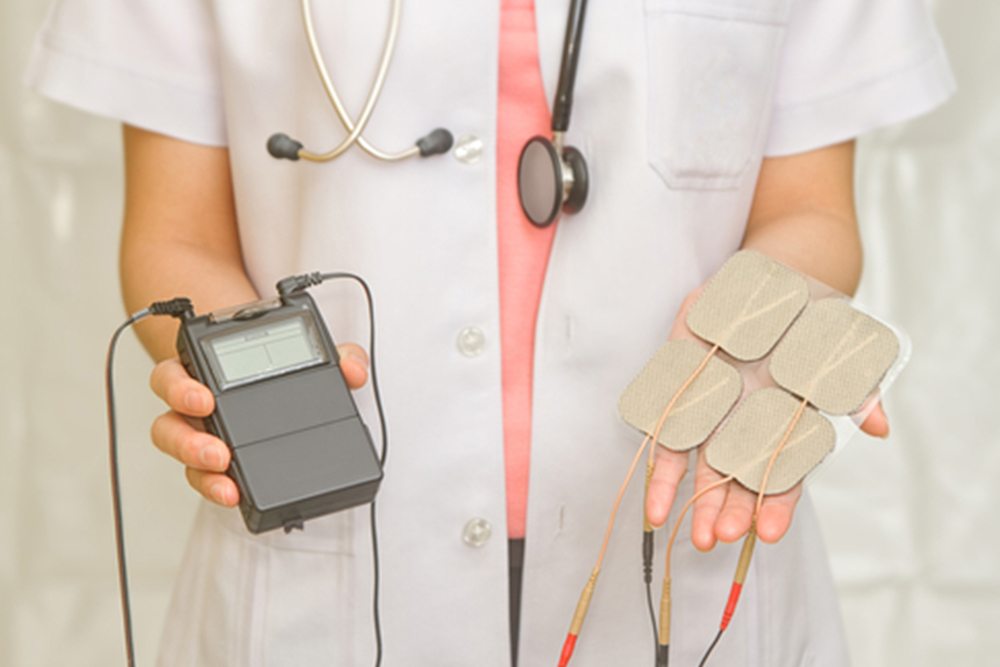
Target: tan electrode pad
(743, 447)
(835, 356)
(698, 411)
(748, 305)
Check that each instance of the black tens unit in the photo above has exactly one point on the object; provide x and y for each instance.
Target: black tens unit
(299, 447)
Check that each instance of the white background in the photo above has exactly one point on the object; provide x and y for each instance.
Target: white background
(912, 524)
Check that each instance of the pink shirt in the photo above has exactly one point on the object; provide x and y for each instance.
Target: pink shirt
(523, 248)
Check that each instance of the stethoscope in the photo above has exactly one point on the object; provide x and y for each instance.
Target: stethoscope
(551, 177)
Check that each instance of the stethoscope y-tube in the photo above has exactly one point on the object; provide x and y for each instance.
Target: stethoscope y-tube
(282, 146)
(552, 177)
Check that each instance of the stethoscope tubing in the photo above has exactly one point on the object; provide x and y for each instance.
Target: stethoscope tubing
(567, 72)
(354, 128)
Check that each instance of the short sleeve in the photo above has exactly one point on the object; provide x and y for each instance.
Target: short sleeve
(850, 66)
(149, 63)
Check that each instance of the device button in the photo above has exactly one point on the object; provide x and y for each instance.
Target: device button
(477, 532)
(471, 341)
(469, 148)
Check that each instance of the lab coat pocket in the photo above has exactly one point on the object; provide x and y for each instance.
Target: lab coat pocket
(712, 68)
(306, 595)
(269, 600)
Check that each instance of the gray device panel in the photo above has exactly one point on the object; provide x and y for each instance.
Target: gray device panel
(332, 464)
(255, 412)
(299, 447)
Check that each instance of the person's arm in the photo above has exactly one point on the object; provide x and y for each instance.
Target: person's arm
(180, 238)
(803, 216)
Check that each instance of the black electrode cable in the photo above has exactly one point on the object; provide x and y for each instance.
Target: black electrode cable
(376, 615)
(176, 308)
(704, 658)
(648, 549)
(301, 282)
(375, 588)
(647, 566)
(115, 485)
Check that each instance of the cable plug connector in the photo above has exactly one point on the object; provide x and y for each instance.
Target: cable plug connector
(293, 284)
(662, 655)
(647, 556)
(647, 527)
(179, 307)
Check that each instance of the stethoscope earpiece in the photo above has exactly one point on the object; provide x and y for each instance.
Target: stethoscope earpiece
(282, 146)
(437, 142)
(548, 183)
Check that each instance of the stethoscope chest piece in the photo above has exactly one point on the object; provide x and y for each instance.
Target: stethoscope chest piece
(548, 182)
(552, 177)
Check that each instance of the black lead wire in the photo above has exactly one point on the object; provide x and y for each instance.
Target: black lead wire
(652, 617)
(647, 576)
(382, 455)
(116, 484)
(711, 648)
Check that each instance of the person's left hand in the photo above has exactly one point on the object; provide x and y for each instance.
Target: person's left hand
(725, 513)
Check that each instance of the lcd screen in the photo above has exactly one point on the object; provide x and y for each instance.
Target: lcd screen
(269, 349)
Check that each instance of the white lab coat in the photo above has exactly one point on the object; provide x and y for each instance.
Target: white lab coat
(677, 101)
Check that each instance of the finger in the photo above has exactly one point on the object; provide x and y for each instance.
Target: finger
(776, 514)
(667, 474)
(177, 389)
(353, 364)
(214, 487)
(679, 328)
(175, 436)
(877, 423)
(737, 514)
(707, 507)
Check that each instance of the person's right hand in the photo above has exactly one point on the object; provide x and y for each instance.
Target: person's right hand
(179, 431)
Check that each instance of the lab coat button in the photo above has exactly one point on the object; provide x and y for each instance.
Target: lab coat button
(471, 341)
(477, 532)
(469, 149)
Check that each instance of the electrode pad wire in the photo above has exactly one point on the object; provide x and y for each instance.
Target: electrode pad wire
(680, 517)
(746, 555)
(774, 457)
(663, 640)
(180, 307)
(588, 591)
(647, 528)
